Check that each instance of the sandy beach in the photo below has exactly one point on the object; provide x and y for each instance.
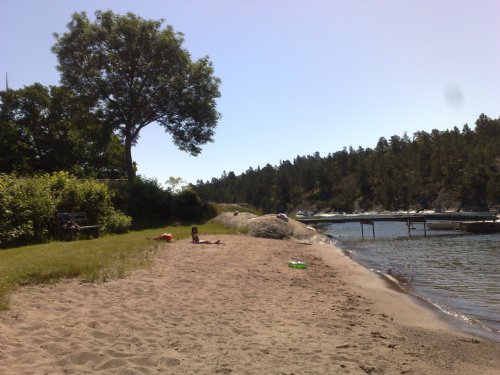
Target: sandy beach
(235, 308)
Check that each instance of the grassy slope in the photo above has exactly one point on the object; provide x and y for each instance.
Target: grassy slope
(94, 260)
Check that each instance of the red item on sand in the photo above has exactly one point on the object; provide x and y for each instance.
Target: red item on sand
(167, 237)
(163, 237)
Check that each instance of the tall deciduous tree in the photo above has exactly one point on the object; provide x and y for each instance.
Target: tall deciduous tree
(140, 74)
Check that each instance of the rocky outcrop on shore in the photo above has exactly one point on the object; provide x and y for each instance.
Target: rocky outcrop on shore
(267, 226)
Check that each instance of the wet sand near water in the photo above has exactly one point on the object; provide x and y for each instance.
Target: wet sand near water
(234, 308)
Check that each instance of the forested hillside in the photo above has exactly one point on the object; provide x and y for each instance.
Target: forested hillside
(451, 169)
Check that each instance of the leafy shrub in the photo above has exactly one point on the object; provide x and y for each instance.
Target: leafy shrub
(209, 210)
(189, 207)
(116, 222)
(26, 209)
(146, 201)
(90, 196)
(28, 206)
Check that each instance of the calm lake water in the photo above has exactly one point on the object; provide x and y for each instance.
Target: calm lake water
(458, 273)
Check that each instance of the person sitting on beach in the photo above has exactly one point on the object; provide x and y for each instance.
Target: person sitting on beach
(196, 239)
(72, 226)
(67, 223)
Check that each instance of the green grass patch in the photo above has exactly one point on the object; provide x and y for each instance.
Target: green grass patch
(95, 260)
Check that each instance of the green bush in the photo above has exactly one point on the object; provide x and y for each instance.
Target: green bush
(209, 211)
(189, 207)
(145, 201)
(28, 206)
(90, 196)
(26, 209)
(116, 222)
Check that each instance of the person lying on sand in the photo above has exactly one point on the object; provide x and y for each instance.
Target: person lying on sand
(196, 239)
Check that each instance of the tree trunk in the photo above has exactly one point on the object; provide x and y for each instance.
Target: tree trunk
(128, 159)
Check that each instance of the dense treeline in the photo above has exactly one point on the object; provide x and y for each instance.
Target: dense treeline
(440, 170)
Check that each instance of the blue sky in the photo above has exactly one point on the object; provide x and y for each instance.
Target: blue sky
(298, 76)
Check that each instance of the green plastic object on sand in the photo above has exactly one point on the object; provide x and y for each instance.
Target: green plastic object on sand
(297, 264)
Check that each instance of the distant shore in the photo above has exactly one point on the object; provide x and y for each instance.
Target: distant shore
(235, 308)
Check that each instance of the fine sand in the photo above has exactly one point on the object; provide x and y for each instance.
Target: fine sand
(234, 308)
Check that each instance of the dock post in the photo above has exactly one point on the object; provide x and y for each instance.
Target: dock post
(369, 222)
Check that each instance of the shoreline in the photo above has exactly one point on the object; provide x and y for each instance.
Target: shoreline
(394, 293)
(456, 320)
(235, 308)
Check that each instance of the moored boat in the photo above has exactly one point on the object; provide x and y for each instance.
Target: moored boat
(480, 226)
(304, 214)
(443, 225)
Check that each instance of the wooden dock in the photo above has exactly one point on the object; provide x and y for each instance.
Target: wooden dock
(410, 219)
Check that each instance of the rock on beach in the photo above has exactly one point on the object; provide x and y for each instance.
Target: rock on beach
(267, 226)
